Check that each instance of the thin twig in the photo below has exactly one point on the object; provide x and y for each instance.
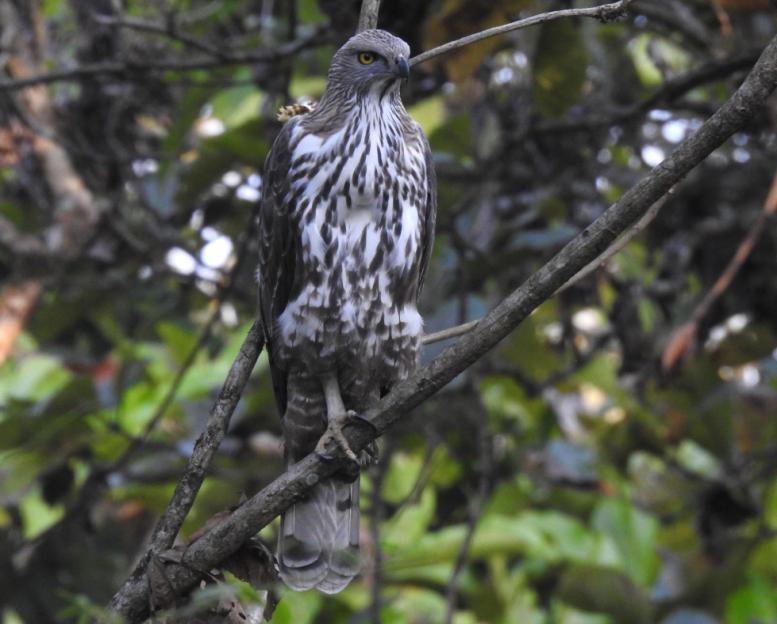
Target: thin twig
(189, 484)
(376, 516)
(172, 391)
(668, 92)
(742, 253)
(138, 69)
(616, 247)
(535, 387)
(229, 535)
(476, 512)
(368, 16)
(168, 30)
(605, 12)
(95, 484)
(450, 332)
(684, 337)
(205, 448)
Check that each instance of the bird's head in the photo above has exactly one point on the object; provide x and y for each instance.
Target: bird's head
(371, 61)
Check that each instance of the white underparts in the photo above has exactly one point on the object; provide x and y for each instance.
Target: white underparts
(360, 249)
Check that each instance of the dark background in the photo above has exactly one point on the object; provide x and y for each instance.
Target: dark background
(616, 456)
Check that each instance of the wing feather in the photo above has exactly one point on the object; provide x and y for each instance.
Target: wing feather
(277, 249)
(429, 215)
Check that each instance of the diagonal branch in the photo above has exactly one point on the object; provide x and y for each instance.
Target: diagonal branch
(368, 16)
(187, 487)
(168, 30)
(670, 91)
(604, 12)
(684, 337)
(616, 247)
(262, 508)
(139, 69)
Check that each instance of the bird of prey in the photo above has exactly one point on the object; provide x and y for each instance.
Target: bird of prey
(346, 230)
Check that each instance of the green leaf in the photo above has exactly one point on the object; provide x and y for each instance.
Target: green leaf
(698, 460)
(307, 87)
(452, 136)
(309, 12)
(547, 536)
(413, 604)
(770, 505)
(297, 607)
(650, 54)
(754, 602)
(506, 400)
(633, 534)
(527, 347)
(237, 105)
(32, 377)
(55, 422)
(429, 113)
(409, 524)
(244, 145)
(179, 340)
(445, 469)
(603, 590)
(401, 476)
(561, 59)
(37, 515)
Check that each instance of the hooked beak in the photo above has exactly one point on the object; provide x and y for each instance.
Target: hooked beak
(403, 67)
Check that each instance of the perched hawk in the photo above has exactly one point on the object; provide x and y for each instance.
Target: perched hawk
(346, 226)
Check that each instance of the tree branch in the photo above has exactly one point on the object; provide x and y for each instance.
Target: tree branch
(450, 332)
(477, 505)
(169, 30)
(683, 339)
(139, 69)
(668, 92)
(605, 12)
(225, 538)
(368, 17)
(612, 250)
(189, 484)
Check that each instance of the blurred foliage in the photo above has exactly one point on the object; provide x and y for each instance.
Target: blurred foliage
(601, 488)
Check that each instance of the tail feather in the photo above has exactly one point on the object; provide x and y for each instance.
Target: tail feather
(318, 544)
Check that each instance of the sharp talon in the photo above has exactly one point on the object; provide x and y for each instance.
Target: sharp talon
(358, 417)
(340, 438)
(334, 432)
(319, 450)
(372, 451)
(337, 417)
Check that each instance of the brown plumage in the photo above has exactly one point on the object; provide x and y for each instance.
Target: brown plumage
(346, 227)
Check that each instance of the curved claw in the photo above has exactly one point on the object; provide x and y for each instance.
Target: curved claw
(364, 421)
(334, 431)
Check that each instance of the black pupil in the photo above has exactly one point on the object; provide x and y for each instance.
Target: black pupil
(366, 57)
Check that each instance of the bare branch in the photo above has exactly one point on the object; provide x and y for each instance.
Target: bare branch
(258, 511)
(368, 17)
(16, 303)
(605, 12)
(138, 70)
(19, 243)
(450, 332)
(684, 337)
(477, 506)
(204, 449)
(668, 92)
(618, 245)
(615, 248)
(168, 30)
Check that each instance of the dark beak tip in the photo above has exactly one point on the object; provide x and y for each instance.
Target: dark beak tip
(403, 67)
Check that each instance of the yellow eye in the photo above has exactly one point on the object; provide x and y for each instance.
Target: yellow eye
(366, 58)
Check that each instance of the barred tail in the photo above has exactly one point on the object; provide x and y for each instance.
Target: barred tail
(318, 545)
